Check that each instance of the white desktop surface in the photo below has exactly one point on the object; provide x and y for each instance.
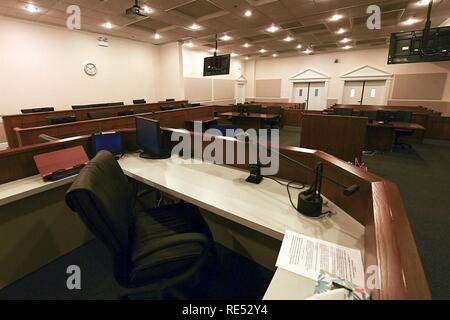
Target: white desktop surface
(23, 188)
(265, 207)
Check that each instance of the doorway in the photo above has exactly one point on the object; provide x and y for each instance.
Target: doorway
(309, 93)
(240, 94)
(369, 92)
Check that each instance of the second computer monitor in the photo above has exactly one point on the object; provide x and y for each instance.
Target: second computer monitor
(149, 138)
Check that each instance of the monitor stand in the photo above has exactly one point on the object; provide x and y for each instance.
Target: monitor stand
(165, 155)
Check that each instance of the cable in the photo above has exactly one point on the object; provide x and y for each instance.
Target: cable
(284, 184)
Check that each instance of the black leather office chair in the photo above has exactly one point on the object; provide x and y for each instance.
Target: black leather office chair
(60, 119)
(115, 104)
(276, 121)
(99, 115)
(153, 250)
(370, 115)
(125, 113)
(35, 110)
(403, 116)
(139, 101)
(343, 111)
(254, 108)
(165, 108)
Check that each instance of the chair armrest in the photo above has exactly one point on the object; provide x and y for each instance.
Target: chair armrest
(172, 241)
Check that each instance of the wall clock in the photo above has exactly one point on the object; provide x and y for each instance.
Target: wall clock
(90, 69)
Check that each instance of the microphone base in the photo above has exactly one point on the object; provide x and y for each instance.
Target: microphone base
(310, 204)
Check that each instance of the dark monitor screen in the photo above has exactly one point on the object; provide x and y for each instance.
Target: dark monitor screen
(109, 141)
(170, 100)
(386, 116)
(217, 65)
(149, 138)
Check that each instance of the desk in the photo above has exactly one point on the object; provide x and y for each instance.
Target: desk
(206, 122)
(264, 208)
(251, 121)
(381, 136)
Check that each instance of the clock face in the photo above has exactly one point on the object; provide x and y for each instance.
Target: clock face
(90, 69)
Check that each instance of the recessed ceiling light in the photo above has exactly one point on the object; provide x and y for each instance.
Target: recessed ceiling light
(336, 17)
(299, 46)
(341, 31)
(247, 58)
(31, 8)
(423, 2)
(248, 13)
(233, 54)
(288, 39)
(147, 9)
(213, 50)
(410, 21)
(246, 45)
(275, 55)
(347, 47)
(308, 51)
(190, 44)
(157, 36)
(345, 40)
(194, 26)
(272, 29)
(108, 25)
(225, 38)
(263, 50)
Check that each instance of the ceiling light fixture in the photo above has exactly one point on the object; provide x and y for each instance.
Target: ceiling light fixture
(341, 31)
(272, 29)
(31, 8)
(248, 13)
(214, 50)
(190, 44)
(226, 38)
(275, 55)
(108, 25)
(345, 40)
(308, 51)
(347, 47)
(233, 54)
(157, 36)
(147, 9)
(246, 45)
(194, 26)
(299, 46)
(263, 50)
(247, 58)
(288, 39)
(410, 21)
(423, 3)
(336, 17)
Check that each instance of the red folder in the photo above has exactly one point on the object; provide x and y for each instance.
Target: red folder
(62, 163)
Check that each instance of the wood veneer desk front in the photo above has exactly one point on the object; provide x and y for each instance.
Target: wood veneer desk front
(250, 121)
(381, 136)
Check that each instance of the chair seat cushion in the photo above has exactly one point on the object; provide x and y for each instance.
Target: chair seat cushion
(152, 227)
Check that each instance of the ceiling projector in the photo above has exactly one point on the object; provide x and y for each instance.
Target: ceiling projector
(137, 10)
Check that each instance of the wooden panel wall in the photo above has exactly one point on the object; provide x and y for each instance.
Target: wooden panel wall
(198, 89)
(39, 119)
(224, 89)
(423, 86)
(342, 137)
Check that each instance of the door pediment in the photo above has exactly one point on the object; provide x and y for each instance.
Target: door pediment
(241, 78)
(309, 75)
(367, 72)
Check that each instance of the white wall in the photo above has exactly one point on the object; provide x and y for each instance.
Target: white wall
(193, 68)
(285, 68)
(42, 65)
(170, 79)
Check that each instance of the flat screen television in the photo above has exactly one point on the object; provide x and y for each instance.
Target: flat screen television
(216, 65)
(408, 47)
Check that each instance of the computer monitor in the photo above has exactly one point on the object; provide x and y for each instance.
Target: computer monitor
(386, 116)
(149, 138)
(170, 100)
(139, 101)
(35, 110)
(60, 119)
(109, 141)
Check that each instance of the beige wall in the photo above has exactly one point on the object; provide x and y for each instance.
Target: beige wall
(170, 79)
(285, 68)
(43, 65)
(221, 88)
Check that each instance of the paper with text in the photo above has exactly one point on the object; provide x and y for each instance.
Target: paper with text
(306, 256)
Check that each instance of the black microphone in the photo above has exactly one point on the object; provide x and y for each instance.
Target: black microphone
(351, 190)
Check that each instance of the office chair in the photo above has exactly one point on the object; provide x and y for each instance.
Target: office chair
(371, 115)
(165, 108)
(276, 121)
(254, 108)
(99, 115)
(403, 116)
(60, 119)
(153, 250)
(125, 113)
(34, 110)
(139, 101)
(343, 111)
